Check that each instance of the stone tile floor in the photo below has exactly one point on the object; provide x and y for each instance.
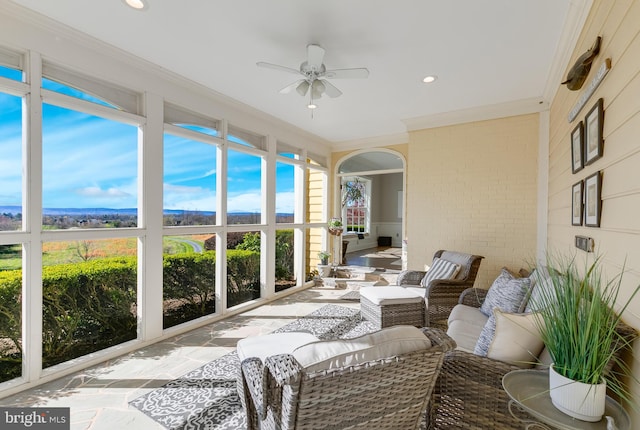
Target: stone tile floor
(99, 396)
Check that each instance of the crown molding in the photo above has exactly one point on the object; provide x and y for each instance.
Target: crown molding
(371, 142)
(480, 113)
(571, 30)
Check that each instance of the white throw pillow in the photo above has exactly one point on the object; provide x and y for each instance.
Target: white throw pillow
(388, 342)
(516, 339)
(440, 269)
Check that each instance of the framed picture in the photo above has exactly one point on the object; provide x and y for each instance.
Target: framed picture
(593, 133)
(593, 200)
(577, 148)
(576, 206)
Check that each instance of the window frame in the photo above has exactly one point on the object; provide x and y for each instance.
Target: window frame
(365, 206)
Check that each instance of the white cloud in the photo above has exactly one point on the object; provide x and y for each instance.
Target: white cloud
(245, 202)
(182, 197)
(285, 202)
(97, 192)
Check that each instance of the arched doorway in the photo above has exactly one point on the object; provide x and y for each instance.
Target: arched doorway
(369, 198)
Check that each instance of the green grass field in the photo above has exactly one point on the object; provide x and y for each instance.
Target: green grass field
(75, 251)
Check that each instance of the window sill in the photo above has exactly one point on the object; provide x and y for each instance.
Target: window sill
(353, 234)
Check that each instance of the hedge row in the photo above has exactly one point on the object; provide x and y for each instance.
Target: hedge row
(90, 306)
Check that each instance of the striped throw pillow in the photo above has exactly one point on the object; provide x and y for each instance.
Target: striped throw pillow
(440, 269)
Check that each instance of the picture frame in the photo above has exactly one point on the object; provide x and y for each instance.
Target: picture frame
(593, 200)
(577, 206)
(577, 148)
(593, 126)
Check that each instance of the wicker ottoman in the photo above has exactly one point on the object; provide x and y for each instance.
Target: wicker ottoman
(387, 306)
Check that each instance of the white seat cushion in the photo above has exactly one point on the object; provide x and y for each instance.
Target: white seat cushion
(392, 295)
(272, 344)
(416, 290)
(465, 325)
(388, 342)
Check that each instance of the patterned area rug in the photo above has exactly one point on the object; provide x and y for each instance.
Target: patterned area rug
(206, 398)
(353, 296)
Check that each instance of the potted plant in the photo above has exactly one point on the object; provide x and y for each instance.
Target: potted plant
(582, 332)
(324, 269)
(335, 226)
(324, 257)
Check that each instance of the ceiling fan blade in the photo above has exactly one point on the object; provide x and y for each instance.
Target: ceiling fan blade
(330, 89)
(315, 55)
(291, 86)
(277, 67)
(358, 73)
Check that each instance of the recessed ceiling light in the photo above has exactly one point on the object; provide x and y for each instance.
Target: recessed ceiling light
(429, 79)
(137, 4)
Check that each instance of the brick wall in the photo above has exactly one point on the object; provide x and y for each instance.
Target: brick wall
(472, 188)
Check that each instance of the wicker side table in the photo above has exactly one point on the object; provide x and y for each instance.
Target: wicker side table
(388, 306)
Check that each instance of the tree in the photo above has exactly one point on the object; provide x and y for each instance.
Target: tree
(86, 250)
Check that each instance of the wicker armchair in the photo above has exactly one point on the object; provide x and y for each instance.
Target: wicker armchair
(469, 392)
(443, 294)
(390, 393)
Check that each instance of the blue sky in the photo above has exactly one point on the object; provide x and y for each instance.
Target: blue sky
(92, 162)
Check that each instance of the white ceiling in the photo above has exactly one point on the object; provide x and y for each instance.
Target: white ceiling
(485, 53)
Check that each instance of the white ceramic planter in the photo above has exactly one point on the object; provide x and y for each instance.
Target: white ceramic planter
(576, 399)
(324, 270)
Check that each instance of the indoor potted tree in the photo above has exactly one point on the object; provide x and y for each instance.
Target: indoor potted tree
(584, 335)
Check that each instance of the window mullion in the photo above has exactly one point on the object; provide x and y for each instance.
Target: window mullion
(32, 310)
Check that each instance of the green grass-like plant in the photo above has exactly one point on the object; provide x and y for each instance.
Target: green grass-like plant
(578, 323)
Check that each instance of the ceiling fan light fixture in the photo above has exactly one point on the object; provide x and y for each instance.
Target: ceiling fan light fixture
(137, 4)
(303, 88)
(312, 105)
(430, 78)
(317, 89)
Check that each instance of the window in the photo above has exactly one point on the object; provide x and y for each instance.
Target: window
(188, 281)
(10, 73)
(97, 249)
(90, 181)
(243, 267)
(244, 188)
(10, 311)
(10, 162)
(189, 191)
(356, 197)
(73, 84)
(90, 171)
(89, 296)
(285, 192)
(288, 151)
(10, 64)
(285, 260)
(246, 138)
(184, 118)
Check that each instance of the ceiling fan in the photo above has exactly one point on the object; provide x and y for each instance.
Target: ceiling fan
(315, 76)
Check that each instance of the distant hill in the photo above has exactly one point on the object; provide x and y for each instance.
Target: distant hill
(109, 211)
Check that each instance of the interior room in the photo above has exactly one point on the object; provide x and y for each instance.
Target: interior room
(142, 138)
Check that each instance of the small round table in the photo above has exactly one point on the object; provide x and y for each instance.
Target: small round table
(529, 390)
